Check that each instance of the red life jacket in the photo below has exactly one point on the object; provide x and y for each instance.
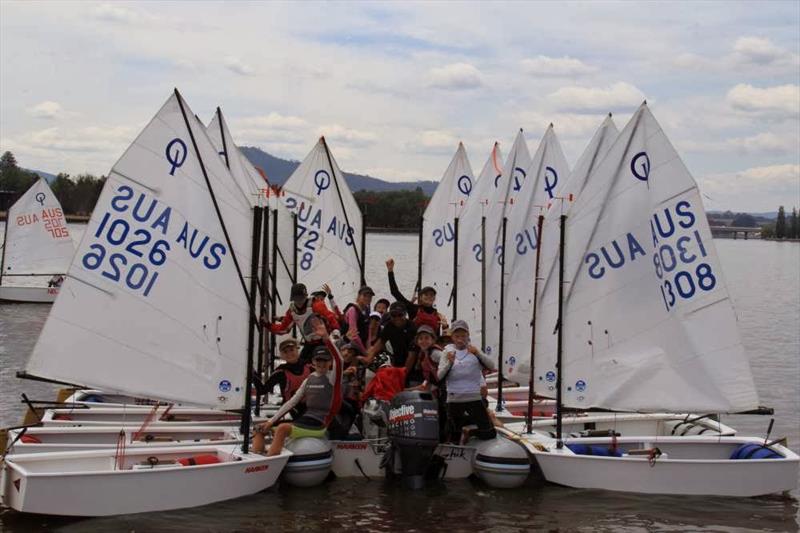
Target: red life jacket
(428, 319)
(293, 382)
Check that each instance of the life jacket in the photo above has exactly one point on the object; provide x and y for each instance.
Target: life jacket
(387, 382)
(293, 382)
(300, 319)
(362, 321)
(423, 317)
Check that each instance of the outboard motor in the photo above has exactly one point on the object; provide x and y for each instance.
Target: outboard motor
(414, 434)
(310, 462)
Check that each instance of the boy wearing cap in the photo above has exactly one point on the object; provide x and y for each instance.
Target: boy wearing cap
(321, 391)
(462, 371)
(422, 313)
(289, 376)
(400, 332)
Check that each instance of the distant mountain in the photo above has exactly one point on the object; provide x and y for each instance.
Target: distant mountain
(765, 215)
(278, 171)
(49, 178)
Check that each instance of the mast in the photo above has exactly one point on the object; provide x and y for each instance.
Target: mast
(341, 204)
(559, 442)
(363, 250)
(294, 262)
(246, 414)
(483, 283)
(499, 406)
(274, 286)
(5, 245)
(529, 415)
(419, 253)
(455, 271)
(263, 299)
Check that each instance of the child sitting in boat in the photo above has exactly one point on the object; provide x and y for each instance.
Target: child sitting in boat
(462, 371)
(288, 377)
(321, 391)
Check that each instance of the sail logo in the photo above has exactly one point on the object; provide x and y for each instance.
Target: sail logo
(40, 197)
(322, 180)
(550, 180)
(465, 185)
(640, 166)
(550, 376)
(224, 385)
(518, 172)
(580, 385)
(176, 154)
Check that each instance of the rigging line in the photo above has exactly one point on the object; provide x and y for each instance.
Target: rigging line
(341, 204)
(214, 199)
(222, 135)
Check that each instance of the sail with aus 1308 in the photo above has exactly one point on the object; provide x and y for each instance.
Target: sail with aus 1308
(438, 228)
(329, 225)
(471, 255)
(154, 304)
(648, 323)
(37, 237)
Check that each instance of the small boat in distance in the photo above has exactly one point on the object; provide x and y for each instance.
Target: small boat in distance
(36, 243)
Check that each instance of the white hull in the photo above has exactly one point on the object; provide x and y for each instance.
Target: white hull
(135, 416)
(66, 439)
(86, 484)
(362, 458)
(690, 466)
(35, 295)
(628, 424)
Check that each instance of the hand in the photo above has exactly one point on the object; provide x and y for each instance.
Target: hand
(350, 370)
(320, 330)
(390, 264)
(265, 427)
(451, 356)
(327, 289)
(472, 349)
(443, 320)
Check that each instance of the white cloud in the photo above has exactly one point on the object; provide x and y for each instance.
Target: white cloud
(437, 141)
(766, 143)
(556, 66)
(340, 134)
(757, 50)
(620, 95)
(753, 189)
(781, 99)
(235, 65)
(47, 109)
(456, 76)
(273, 121)
(121, 14)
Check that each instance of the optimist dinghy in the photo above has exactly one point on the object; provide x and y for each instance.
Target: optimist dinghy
(155, 305)
(36, 243)
(632, 314)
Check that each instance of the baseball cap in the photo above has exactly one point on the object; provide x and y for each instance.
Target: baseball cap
(298, 289)
(286, 343)
(366, 289)
(321, 352)
(397, 309)
(426, 329)
(457, 325)
(428, 289)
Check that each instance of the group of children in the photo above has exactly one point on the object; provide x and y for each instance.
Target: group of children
(324, 384)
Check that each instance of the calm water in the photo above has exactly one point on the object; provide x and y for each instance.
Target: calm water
(764, 281)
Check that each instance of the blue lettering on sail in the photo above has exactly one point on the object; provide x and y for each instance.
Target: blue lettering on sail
(176, 154)
(517, 173)
(613, 255)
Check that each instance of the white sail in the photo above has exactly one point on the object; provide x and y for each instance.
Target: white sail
(254, 184)
(648, 322)
(153, 304)
(515, 174)
(37, 239)
(547, 173)
(329, 225)
(471, 251)
(438, 228)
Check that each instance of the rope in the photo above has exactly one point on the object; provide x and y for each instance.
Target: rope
(119, 453)
(147, 420)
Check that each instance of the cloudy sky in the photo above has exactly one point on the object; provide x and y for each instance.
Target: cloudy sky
(395, 86)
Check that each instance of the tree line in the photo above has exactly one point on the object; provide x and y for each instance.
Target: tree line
(784, 227)
(77, 195)
(392, 209)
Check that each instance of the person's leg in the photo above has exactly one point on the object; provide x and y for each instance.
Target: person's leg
(455, 418)
(477, 415)
(281, 432)
(258, 440)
